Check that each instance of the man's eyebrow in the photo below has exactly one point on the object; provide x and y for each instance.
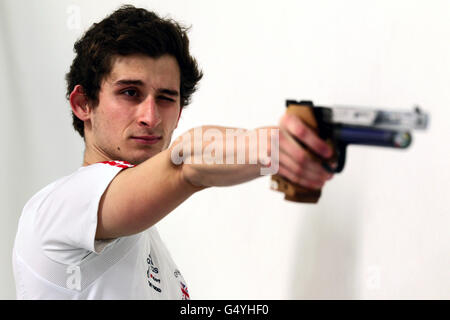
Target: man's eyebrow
(169, 92)
(128, 82)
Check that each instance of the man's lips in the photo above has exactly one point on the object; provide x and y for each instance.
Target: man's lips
(146, 139)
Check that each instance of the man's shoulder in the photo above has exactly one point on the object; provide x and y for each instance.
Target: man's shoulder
(63, 214)
(83, 177)
(93, 171)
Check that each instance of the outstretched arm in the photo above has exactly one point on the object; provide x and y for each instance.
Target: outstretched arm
(139, 197)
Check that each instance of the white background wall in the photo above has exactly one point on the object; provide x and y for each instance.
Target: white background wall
(380, 230)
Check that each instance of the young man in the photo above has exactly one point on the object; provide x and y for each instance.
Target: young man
(91, 234)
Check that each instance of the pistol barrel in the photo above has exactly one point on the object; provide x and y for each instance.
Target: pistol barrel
(380, 119)
(373, 137)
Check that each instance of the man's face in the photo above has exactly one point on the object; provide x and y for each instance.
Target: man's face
(138, 110)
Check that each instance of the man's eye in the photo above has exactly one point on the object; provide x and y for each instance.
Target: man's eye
(130, 92)
(166, 98)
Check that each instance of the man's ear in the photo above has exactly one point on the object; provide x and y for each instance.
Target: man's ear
(79, 103)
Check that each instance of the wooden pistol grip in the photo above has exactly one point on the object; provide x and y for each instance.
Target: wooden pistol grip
(292, 191)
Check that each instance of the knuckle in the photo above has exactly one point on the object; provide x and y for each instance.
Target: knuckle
(282, 139)
(301, 158)
(301, 132)
(298, 171)
(283, 120)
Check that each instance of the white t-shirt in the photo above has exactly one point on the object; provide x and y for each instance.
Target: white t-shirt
(56, 256)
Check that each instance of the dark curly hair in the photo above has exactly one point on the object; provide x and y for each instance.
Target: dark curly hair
(129, 30)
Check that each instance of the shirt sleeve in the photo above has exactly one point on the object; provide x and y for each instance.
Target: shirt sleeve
(67, 218)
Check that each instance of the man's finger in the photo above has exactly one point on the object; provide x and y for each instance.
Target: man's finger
(305, 171)
(303, 133)
(299, 180)
(297, 153)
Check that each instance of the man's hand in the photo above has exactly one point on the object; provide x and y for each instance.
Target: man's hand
(296, 164)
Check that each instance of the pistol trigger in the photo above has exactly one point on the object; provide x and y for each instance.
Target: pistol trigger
(341, 150)
(341, 153)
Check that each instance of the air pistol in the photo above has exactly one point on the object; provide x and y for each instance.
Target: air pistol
(341, 126)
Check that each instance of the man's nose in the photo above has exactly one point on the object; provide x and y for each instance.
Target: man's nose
(149, 114)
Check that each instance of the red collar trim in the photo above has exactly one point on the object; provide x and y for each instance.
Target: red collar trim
(118, 163)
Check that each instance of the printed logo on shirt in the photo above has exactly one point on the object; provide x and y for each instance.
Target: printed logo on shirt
(184, 291)
(152, 275)
(119, 164)
(183, 287)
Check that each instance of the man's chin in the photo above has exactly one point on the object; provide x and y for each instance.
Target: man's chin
(137, 155)
(138, 159)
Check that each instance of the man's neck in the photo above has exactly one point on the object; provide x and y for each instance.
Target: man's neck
(92, 156)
